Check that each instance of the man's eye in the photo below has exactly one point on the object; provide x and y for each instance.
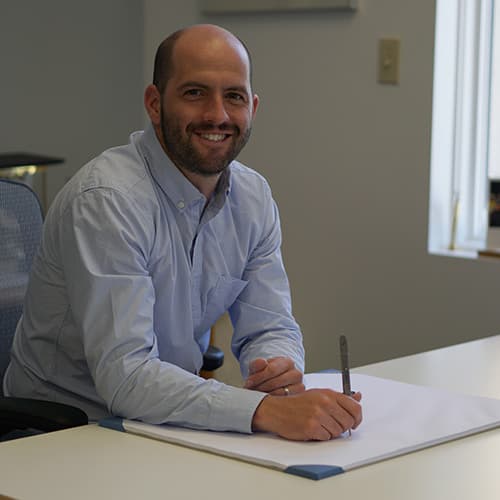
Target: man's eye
(193, 93)
(234, 96)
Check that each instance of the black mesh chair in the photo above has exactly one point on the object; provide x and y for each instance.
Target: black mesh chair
(20, 233)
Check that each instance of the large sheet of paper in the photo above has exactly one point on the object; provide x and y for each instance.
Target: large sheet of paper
(397, 418)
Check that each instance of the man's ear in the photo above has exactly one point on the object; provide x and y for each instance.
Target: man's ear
(255, 102)
(152, 103)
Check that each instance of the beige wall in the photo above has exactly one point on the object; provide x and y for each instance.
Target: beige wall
(348, 161)
(71, 78)
(347, 158)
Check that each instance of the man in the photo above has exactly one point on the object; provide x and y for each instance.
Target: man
(148, 245)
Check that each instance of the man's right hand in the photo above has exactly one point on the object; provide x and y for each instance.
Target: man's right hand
(316, 414)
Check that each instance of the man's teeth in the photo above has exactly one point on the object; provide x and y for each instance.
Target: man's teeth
(213, 137)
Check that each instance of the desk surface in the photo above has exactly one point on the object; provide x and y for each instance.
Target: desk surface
(92, 462)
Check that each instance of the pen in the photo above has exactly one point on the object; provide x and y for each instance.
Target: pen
(344, 364)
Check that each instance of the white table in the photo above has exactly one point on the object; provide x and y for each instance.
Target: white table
(95, 463)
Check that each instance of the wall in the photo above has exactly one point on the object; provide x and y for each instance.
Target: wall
(71, 78)
(348, 160)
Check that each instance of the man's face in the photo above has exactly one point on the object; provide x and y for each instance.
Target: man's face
(207, 108)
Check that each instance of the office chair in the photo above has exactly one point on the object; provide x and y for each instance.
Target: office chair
(20, 233)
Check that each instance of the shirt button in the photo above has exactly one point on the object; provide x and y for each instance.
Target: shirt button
(181, 204)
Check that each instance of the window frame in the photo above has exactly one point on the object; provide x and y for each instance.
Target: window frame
(459, 187)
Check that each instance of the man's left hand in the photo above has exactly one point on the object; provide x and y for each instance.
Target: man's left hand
(277, 376)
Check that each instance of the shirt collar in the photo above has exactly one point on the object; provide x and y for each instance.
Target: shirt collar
(170, 179)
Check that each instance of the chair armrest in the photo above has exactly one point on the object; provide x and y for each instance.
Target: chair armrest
(46, 416)
(213, 359)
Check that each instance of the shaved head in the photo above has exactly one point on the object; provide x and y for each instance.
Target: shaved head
(200, 33)
(201, 102)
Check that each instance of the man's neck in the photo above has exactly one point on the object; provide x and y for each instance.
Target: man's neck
(205, 184)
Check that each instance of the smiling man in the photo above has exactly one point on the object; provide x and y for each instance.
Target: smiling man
(205, 105)
(148, 245)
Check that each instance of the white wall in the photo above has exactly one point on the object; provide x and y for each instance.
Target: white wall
(348, 160)
(71, 78)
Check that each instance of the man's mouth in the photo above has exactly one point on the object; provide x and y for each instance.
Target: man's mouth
(213, 137)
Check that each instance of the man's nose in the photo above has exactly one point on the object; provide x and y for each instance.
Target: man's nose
(215, 111)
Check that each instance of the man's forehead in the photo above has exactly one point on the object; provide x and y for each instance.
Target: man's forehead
(210, 62)
(209, 43)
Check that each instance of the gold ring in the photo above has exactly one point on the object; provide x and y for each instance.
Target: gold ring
(287, 391)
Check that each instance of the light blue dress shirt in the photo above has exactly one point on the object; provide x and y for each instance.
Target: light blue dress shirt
(132, 272)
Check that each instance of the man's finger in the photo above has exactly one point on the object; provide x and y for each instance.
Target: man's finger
(257, 365)
(287, 390)
(289, 378)
(271, 377)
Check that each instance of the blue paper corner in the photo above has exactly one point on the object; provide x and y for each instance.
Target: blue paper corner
(315, 472)
(114, 423)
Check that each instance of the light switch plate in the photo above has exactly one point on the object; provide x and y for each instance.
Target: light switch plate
(388, 60)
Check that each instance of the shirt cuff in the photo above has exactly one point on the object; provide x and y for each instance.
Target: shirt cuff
(233, 409)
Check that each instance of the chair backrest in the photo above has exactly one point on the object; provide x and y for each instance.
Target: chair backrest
(21, 220)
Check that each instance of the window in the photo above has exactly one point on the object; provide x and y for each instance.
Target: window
(465, 114)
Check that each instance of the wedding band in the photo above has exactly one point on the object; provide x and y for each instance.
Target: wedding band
(287, 391)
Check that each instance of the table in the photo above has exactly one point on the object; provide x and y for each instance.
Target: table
(92, 462)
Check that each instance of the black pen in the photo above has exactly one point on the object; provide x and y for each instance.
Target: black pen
(344, 364)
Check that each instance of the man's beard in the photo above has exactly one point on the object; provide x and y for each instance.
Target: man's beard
(185, 156)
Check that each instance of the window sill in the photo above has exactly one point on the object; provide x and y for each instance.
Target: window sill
(468, 254)
(460, 253)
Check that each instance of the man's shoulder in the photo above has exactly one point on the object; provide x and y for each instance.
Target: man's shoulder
(243, 177)
(120, 169)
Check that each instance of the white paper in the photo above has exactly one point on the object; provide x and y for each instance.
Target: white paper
(397, 418)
